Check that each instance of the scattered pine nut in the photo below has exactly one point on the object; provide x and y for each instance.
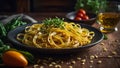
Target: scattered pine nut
(41, 66)
(50, 65)
(92, 57)
(99, 62)
(114, 53)
(73, 62)
(58, 66)
(83, 63)
(35, 66)
(102, 44)
(53, 63)
(109, 56)
(104, 49)
(70, 66)
(96, 56)
(83, 60)
(78, 58)
(91, 61)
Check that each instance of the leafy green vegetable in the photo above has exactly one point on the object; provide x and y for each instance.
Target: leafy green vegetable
(28, 56)
(3, 31)
(3, 46)
(1, 43)
(91, 5)
(14, 23)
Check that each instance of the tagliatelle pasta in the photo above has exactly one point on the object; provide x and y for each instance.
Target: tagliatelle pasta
(71, 35)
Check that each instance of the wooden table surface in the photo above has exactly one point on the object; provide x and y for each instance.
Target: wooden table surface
(106, 54)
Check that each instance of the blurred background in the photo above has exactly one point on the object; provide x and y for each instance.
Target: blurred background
(26, 6)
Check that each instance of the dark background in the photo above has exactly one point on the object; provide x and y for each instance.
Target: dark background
(38, 5)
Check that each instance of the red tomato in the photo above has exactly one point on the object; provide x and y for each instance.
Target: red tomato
(82, 11)
(85, 17)
(79, 14)
(77, 18)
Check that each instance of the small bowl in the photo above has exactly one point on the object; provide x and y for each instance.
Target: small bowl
(71, 15)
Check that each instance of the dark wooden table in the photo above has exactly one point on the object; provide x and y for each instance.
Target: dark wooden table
(106, 54)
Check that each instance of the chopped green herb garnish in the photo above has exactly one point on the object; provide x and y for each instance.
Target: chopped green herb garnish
(55, 22)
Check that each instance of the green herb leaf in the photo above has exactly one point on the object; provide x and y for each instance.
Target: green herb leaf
(55, 22)
(3, 31)
(1, 43)
(28, 56)
(105, 37)
(14, 23)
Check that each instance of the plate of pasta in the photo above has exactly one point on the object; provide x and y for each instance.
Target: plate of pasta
(54, 36)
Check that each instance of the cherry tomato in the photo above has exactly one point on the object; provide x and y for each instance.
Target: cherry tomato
(14, 59)
(77, 18)
(82, 11)
(85, 17)
(79, 14)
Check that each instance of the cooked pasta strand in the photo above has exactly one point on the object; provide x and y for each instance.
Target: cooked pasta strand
(70, 36)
